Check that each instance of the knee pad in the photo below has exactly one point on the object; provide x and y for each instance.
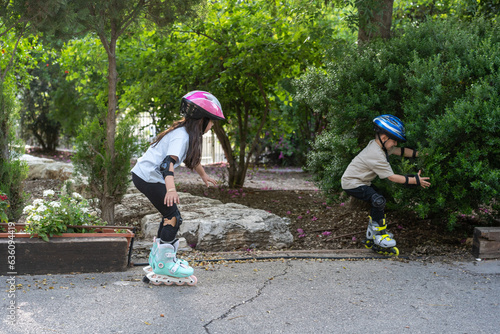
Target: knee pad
(378, 201)
(168, 230)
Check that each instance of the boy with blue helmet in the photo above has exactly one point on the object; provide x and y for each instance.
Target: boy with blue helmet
(371, 162)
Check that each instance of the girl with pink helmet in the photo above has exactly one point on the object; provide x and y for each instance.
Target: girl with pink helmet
(153, 175)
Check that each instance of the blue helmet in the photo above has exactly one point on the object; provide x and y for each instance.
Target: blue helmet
(391, 126)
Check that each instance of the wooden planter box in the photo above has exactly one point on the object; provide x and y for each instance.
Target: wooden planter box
(486, 243)
(104, 250)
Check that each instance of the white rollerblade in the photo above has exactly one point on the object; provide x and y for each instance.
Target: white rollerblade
(164, 267)
(379, 239)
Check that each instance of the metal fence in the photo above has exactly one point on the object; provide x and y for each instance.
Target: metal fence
(212, 151)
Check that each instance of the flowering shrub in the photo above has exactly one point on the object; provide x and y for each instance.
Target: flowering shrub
(4, 204)
(48, 216)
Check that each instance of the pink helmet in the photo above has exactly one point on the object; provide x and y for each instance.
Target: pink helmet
(198, 104)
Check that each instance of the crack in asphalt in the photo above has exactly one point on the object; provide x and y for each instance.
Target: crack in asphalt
(259, 292)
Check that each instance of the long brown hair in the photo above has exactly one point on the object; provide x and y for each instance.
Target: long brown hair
(194, 128)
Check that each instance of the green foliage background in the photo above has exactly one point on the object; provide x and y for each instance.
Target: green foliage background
(439, 74)
(441, 79)
(92, 160)
(12, 170)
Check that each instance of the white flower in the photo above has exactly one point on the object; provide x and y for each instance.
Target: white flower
(28, 208)
(84, 210)
(76, 195)
(37, 202)
(36, 218)
(55, 204)
(41, 208)
(49, 193)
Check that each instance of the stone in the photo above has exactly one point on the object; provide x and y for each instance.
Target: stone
(43, 168)
(210, 225)
(133, 206)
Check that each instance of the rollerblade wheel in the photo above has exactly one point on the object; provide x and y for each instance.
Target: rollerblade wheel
(193, 281)
(396, 251)
(368, 243)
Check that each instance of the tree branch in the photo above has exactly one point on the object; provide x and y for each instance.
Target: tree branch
(201, 34)
(100, 29)
(263, 120)
(128, 20)
(11, 61)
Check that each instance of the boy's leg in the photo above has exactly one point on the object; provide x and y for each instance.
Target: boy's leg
(370, 195)
(376, 231)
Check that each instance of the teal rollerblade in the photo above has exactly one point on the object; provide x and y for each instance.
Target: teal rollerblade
(379, 239)
(164, 267)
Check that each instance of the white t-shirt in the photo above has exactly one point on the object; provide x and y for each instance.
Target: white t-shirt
(175, 143)
(366, 166)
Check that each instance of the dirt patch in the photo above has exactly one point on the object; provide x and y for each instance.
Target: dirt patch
(315, 224)
(318, 225)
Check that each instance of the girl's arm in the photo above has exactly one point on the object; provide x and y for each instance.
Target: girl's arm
(171, 196)
(206, 179)
(411, 179)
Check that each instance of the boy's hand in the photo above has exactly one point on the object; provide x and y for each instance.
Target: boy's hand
(423, 180)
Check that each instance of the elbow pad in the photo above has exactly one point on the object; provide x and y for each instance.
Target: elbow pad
(408, 178)
(165, 166)
(414, 153)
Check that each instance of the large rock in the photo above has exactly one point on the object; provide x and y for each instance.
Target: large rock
(133, 207)
(211, 225)
(42, 168)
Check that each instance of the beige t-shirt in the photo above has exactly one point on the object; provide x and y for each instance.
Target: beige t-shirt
(366, 166)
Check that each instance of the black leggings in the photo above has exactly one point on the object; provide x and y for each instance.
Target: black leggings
(156, 192)
(370, 194)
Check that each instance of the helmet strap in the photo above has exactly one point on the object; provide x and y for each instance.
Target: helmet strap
(205, 124)
(383, 145)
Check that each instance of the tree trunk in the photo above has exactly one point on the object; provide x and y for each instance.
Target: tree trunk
(236, 169)
(228, 151)
(4, 126)
(375, 19)
(107, 203)
(108, 209)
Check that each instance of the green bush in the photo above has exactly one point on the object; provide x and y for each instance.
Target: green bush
(12, 175)
(92, 161)
(12, 171)
(442, 80)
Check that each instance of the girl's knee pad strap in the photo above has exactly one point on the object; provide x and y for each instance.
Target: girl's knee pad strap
(168, 232)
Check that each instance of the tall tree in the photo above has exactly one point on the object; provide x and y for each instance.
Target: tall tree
(375, 19)
(36, 105)
(15, 59)
(109, 20)
(240, 53)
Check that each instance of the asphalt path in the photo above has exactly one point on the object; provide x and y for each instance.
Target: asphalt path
(278, 296)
